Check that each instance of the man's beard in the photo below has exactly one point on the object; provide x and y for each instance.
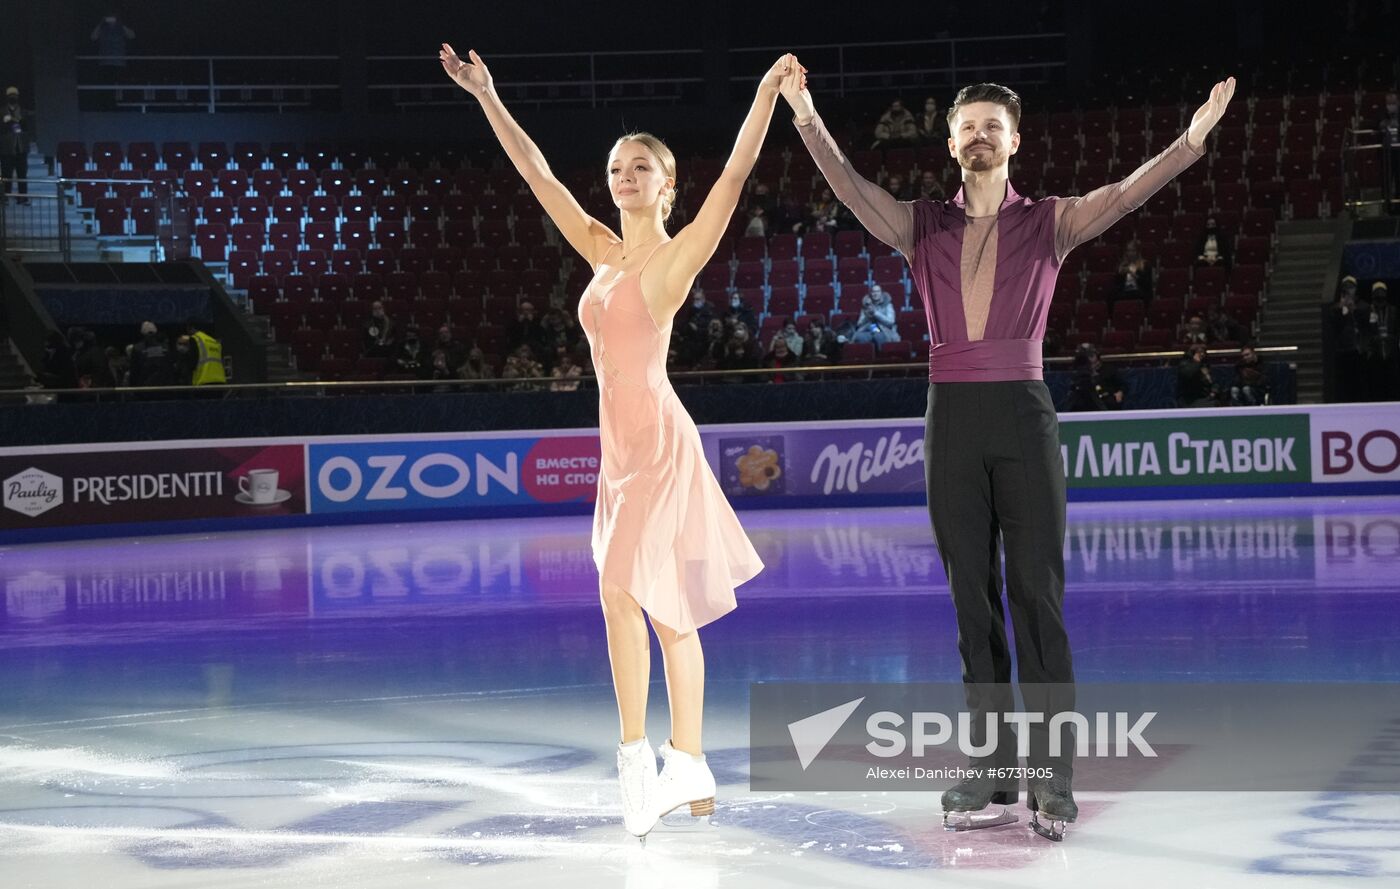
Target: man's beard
(980, 162)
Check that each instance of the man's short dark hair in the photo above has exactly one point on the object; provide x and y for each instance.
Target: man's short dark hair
(988, 92)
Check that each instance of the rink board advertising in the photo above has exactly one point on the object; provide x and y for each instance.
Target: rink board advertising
(1260, 452)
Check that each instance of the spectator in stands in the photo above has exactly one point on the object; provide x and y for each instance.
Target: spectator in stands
(118, 366)
(1095, 386)
(1195, 332)
(182, 360)
(895, 185)
(521, 365)
(697, 318)
(380, 332)
(1214, 246)
(1221, 328)
(1251, 380)
(566, 374)
(557, 331)
(779, 356)
(111, 36)
(455, 351)
(711, 352)
(207, 354)
(823, 214)
(526, 329)
(758, 223)
(1389, 127)
(412, 358)
(740, 313)
(930, 189)
(793, 338)
(819, 346)
(740, 353)
(56, 370)
(151, 358)
(1134, 274)
(89, 360)
(1380, 351)
(876, 321)
(15, 135)
(476, 367)
(1194, 387)
(762, 196)
(1346, 333)
(896, 127)
(930, 123)
(440, 369)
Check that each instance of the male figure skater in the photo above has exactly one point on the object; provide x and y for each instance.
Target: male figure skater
(985, 265)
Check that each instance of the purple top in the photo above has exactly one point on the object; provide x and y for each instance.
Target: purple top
(986, 282)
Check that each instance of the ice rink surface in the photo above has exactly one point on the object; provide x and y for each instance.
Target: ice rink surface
(429, 704)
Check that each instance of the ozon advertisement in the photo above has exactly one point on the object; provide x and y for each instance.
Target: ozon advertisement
(410, 474)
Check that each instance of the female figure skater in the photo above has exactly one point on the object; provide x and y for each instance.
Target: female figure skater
(665, 540)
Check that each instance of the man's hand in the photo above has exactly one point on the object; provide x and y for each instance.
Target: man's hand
(794, 89)
(1209, 114)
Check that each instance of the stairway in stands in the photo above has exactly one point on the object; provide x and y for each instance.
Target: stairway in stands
(1305, 265)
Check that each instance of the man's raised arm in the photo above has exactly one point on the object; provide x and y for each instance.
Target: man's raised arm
(1081, 219)
(890, 220)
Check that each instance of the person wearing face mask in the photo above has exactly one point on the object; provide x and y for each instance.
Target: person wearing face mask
(16, 130)
(930, 123)
(1213, 248)
(985, 265)
(668, 547)
(740, 313)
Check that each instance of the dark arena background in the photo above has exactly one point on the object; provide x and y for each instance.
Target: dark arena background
(300, 448)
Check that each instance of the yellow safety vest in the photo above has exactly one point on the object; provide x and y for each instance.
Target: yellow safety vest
(210, 367)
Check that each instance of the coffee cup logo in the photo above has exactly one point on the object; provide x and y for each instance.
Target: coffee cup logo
(259, 486)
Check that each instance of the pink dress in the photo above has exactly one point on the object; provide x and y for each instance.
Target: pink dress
(662, 529)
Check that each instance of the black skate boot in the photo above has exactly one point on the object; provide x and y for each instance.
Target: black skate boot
(964, 802)
(1053, 798)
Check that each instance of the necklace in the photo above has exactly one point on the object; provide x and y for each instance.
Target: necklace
(625, 251)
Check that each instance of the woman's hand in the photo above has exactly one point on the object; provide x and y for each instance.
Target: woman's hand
(1209, 114)
(471, 76)
(773, 79)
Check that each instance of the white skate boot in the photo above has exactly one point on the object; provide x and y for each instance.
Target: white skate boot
(684, 779)
(636, 775)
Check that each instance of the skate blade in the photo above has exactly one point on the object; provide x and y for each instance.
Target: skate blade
(979, 820)
(1053, 830)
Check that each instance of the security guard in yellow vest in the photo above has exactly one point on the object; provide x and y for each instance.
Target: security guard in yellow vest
(209, 358)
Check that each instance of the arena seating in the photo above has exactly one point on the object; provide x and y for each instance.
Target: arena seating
(313, 233)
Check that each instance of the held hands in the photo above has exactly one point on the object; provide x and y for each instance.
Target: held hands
(773, 78)
(471, 76)
(794, 88)
(1209, 114)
